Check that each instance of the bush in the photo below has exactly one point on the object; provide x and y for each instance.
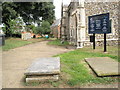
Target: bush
(45, 26)
(30, 28)
(43, 29)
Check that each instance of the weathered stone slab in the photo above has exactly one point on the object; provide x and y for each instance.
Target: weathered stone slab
(103, 66)
(44, 66)
(42, 78)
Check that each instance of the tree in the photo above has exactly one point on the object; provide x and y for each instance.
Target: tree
(29, 11)
(38, 30)
(15, 26)
(8, 13)
(30, 28)
(45, 26)
(43, 29)
(45, 10)
(25, 9)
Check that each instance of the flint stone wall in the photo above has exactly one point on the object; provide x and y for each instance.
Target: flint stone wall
(101, 43)
(94, 8)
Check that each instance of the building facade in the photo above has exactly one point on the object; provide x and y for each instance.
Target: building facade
(77, 22)
(64, 23)
(55, 27)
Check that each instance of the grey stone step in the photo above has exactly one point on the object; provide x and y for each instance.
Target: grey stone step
(44, 66)
(103, 66)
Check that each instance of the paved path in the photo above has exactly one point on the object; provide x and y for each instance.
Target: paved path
(17, 60)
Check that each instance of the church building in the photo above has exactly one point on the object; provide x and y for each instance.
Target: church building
(74, 22)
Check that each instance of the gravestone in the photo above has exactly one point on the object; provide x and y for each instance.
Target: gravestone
(26, 36)
(103, 66)
(43, 69)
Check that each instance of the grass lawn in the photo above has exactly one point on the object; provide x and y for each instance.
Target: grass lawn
(75, 71)
(58, 43)
(11, 43)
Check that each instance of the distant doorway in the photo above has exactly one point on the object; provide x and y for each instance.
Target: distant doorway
(34, 36)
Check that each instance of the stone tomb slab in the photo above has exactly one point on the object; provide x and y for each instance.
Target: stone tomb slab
(43, 78)
(103, 66)
(43, 69)
(44, 66)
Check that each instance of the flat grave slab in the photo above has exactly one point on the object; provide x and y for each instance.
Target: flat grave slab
(44, 66)
(103, 66)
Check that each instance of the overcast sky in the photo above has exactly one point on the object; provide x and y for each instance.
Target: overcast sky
(57, 4)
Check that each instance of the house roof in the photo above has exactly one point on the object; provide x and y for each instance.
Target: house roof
(56, 23)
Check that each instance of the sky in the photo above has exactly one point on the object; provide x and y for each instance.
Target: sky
(57, 4)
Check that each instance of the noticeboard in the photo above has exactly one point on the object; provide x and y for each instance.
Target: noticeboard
(99, 24)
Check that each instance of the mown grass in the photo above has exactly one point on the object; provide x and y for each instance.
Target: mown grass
(112, 50)
(75, 71)
(75, 68)
(58, 43)
(11, 43)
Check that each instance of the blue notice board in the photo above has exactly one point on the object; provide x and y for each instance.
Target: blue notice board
(99, 24)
